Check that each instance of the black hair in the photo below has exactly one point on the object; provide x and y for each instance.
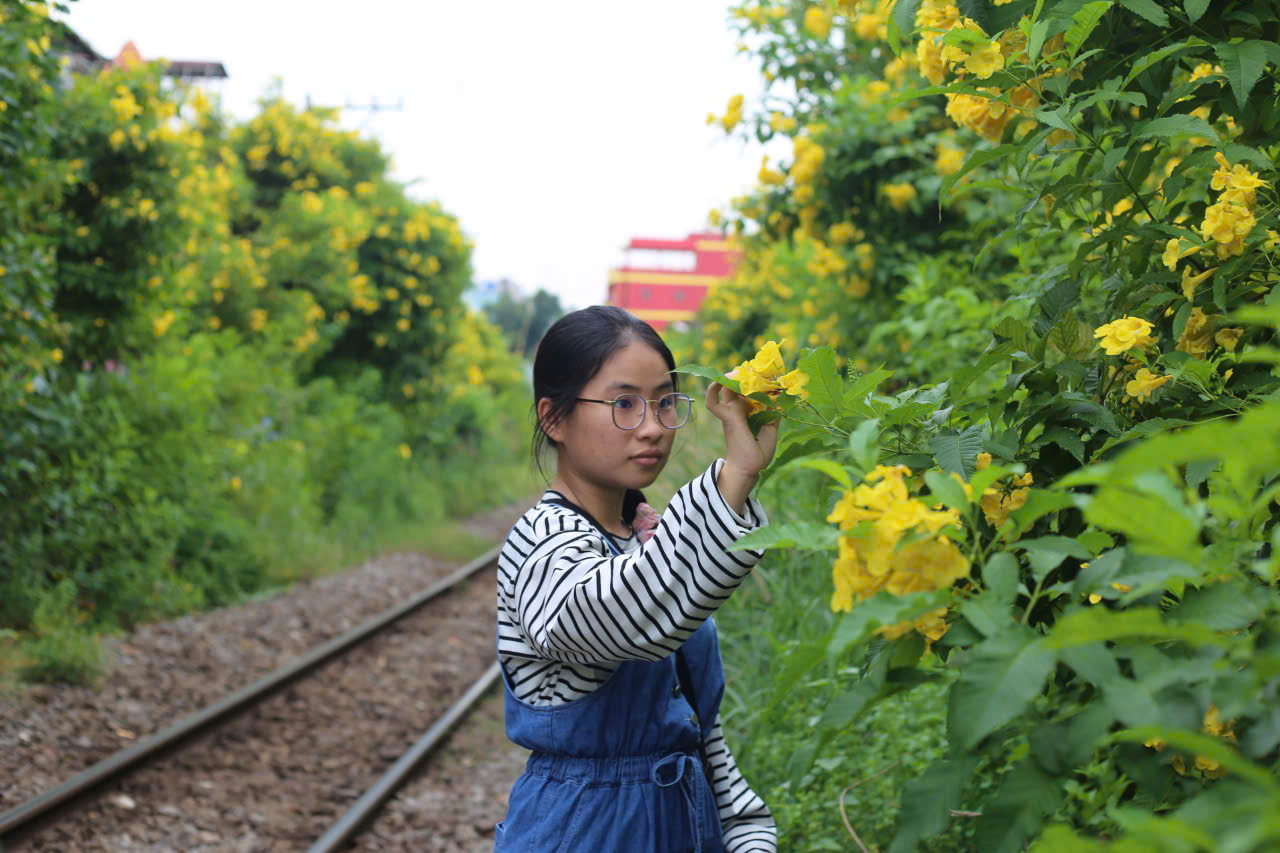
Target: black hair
(572, 351)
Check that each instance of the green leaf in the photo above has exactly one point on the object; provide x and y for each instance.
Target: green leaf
(1003, 674)
(1047, 553)
(945, 488)
(1172, 126)
(1148, 9)
(1131, 702)
(881, 610)
(1146, 61)
(1000, 575)
(1059, 838)
(981, 157)
(1070, 338)
(1016, 812)
(1198, 744)
(1083, 23)
(1195, 9)
(832, 469)
(1035, 41)
(845, 707)
(928, 799)
(1147, 428)
(826, 389)
(1221, 606)
(707, 373)
(1242, 64)
(1039, 504)
(864, 445)
(1098, 624)
(855, 393)
(805, 535)
(958, 451)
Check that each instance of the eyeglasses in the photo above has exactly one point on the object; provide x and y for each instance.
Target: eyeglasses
(629, 409)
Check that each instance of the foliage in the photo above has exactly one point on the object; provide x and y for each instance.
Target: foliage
(233, 353)
(523, 320)
(1069, 522)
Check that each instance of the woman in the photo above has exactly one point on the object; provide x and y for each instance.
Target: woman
(609, 654)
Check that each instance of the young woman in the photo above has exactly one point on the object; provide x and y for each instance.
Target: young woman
(609, 654)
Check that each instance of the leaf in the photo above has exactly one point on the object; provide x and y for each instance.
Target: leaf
(1035, 41)
(1003, 674)
(1242, 64)
(844, 708)
(1221, 606)
(1195, 9)
(1171, 126)
(1147, 428)
(958, 451)
(1210, 747)
(1047, 553)
(1066, 439)
(1148, 9)
(1000, 575)
(864, 445)
(928, 800)
(826, 390)
(1130, 701)
(1017, 811)
(1084, 21)
(832, 469)
(981, 157)
(1054, 304)
(707, 373)
(945, 488)
(805, 535)
(881, 610)
(855, 393)
(1069, 339)
(1146, 61)
(1098, 624)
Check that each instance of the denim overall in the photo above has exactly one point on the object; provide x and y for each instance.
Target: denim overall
(619, 770)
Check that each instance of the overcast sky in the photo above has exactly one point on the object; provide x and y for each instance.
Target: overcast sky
(554, 130)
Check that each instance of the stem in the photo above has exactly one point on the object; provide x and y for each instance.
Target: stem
(1035, 596)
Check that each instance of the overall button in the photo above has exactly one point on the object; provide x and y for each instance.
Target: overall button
(675, 691)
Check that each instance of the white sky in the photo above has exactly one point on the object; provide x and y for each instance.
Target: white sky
(554, 130)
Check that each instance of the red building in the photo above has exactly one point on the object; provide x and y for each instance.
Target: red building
(664, 281)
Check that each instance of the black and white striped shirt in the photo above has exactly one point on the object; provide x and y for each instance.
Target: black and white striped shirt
(569, 613)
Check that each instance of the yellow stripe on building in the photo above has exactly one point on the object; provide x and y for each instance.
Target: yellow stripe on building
(717, 246)
(668, 315)
(633, 277)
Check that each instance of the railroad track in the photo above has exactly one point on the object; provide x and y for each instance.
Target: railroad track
(288, 683)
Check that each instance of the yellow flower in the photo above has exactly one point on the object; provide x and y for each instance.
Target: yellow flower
(768, 361)
(162, 323)
(1143, 383)
(257, 319)
(794, 383)
(407, 389)
(117, 138)
(1170, 256)
(1228, 338)
(899, 195)
(405, 451)
(817, 20)
(1191, 282)
(235, 484)
(1124, 334)
(985, 61)
(475, 375)
(1197, 335)
(948, 160)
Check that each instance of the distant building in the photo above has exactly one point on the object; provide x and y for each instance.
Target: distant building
(664, 281)
(83, 59)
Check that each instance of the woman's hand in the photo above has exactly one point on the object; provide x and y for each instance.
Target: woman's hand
(746, 455)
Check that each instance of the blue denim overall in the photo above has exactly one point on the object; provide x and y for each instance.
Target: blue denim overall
(619, 770)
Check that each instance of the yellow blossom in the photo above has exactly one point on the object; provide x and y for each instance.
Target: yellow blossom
(793, 383)
(948, 160)
(1197, 336)
(899, 195)
(1143, 383)
(235, 484)
(405, 451)
(1228, 338)
(162, 323)
(768, 361)
(985, 61)
(1124, 334)
(257, 319)
(817, 20)
(1191, 282)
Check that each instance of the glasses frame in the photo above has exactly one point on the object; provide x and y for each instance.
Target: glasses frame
(644, 408)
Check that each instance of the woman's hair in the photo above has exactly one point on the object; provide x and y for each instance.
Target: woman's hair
(572, 351)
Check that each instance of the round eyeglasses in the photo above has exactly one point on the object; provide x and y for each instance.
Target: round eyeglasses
(629, 409)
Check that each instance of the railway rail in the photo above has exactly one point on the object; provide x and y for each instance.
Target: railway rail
(18, 823)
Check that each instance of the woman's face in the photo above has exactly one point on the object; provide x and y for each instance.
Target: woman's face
(592, 448)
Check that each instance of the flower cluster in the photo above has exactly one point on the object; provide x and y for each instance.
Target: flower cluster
(997, 503)
(891, 541)
(1124, 334)
(1230, 219)
(767, 373)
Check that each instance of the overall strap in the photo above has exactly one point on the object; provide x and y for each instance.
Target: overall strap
(682, 665)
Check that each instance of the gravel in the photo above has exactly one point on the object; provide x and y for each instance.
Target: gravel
(277, 776)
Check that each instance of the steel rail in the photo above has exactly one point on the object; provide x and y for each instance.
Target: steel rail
(117, 764)
(371, 800)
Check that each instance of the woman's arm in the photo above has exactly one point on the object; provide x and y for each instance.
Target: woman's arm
(573, 602)
(747, 822)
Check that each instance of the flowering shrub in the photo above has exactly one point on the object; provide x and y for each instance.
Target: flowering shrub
(1070, 517)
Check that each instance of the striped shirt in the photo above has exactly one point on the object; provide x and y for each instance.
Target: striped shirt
(569, 613)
